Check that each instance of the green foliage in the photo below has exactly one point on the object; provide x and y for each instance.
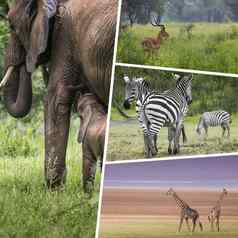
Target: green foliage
(29, 210)
(210, 47)
(209, 92)
(130, 49)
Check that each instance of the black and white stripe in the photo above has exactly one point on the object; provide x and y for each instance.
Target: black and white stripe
(214, 119)
(168, 109)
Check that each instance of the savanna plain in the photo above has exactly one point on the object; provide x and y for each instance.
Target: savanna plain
(149, 213)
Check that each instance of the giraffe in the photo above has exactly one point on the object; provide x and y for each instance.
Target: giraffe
(215, 213)
(186, 212)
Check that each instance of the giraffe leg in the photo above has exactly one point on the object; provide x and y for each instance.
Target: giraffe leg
(212, 224)
(189, 229)
(218, 224)
(180, 224)
(194, 224)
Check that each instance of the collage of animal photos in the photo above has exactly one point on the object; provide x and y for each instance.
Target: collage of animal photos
(119, 118)
(172, 146)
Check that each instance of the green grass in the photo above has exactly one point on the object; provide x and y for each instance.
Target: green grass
(27, 208)
(156, 229)
(126, 140)
(212, 47)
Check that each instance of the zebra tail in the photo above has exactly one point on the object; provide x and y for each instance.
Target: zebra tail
(230, 121)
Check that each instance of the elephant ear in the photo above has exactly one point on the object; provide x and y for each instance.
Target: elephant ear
(40, 31)
(84, 123)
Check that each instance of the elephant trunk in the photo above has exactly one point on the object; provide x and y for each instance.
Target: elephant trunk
(17, 91)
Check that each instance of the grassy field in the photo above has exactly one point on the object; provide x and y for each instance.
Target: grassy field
(153, 228)
(27, 208)
(126, 139)
(211, 47)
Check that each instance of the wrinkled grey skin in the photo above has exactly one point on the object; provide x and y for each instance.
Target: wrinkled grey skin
(92, 134)
(77, 38)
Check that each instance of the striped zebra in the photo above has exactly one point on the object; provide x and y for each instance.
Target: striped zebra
(212, 119)
(138, 89)
(167, 109)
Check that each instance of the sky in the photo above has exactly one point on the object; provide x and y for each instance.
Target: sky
(194, 173)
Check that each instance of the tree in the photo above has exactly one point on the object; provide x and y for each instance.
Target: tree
(140, 10)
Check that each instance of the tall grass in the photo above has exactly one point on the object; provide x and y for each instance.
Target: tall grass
(27, 208)
(211, 47)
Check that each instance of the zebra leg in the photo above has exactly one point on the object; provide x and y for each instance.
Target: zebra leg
(147, 149)
(171, 132)
(223, 130)
(155, 143)
(152, 145)
(228, 131)
(176, 138)
(206, 130)
(184, 134)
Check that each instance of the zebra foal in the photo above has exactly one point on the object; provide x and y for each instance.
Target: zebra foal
(213, 119)
(167, 109)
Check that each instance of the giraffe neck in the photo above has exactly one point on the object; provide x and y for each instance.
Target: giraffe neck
(220, 199)
(179, 201)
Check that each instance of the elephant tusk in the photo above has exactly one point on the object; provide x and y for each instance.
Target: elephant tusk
(7, 76)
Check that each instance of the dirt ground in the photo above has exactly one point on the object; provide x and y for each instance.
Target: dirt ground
(138, 213)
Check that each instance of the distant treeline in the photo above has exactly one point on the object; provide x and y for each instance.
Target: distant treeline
(139, 11)
(209, 92)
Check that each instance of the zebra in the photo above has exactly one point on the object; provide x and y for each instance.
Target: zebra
(138, 89)
(212, 119)
(167, 109)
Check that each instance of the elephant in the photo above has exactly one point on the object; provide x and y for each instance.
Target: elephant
(92, 134)
(76, 38)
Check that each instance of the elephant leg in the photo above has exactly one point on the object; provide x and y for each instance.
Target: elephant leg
(57, 107)
(89, 170)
